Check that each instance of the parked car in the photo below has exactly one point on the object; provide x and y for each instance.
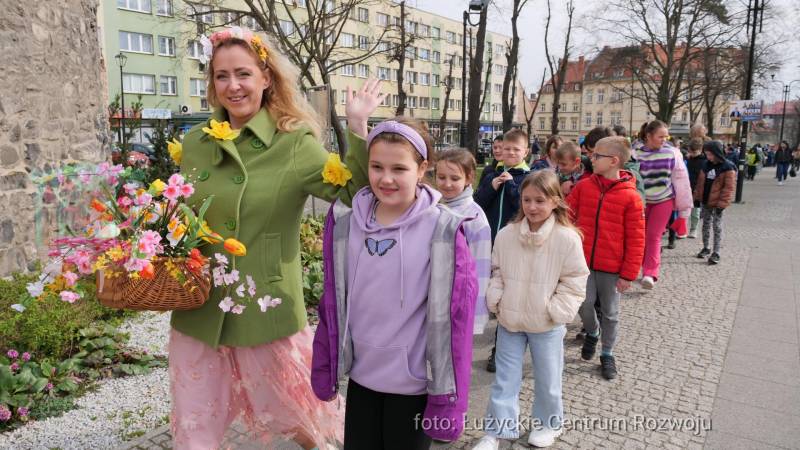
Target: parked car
(139, 154)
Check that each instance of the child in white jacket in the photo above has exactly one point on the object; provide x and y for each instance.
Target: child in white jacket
(538, 283)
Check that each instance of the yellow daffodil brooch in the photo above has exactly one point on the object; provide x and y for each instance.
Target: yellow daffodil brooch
(221, 131)
(335, 172)
(175, 149)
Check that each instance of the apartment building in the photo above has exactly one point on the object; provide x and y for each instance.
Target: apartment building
(159, 39)
(570, 104)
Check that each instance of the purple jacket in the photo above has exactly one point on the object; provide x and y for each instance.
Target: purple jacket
(449, 322)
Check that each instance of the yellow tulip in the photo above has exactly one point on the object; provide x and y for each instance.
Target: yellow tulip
(175, 149)
(207, 235)
(157, 187)
(221, 130)
(234, 247)
(335, 172)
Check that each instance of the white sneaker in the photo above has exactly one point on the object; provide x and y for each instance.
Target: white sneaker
(693, 234)
(780, 183)
(544, 437)
(648, 282)
(487, 443)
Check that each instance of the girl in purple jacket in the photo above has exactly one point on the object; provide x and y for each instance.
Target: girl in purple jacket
(397, 311)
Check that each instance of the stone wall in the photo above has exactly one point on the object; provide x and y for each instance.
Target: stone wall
(53, 98)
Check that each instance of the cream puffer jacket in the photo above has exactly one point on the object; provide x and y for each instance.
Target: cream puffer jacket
(538, 278)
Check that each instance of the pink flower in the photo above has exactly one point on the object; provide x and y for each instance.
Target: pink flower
(22, 411)
(136, 264)
(71, 278)
(143, 199)
(49, 387)
(12, 353)
(230, 278)
(187, 190)
(226, 304)
(26, 356)
(172, 192)
(238, 309)
(5, 414)
(251, 286)
(130, 188)
(14, 367)
(69, 296)
(124, 202)
(149, 243)
(175, 180)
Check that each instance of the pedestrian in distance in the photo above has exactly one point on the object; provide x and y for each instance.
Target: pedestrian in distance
(548, 160)
(695, 161)
(538, 283)
(715, 187)
(453, 176)
(497, 158)
(752, 159)
(783, 159)
(608, 201)
(572, 167)
(397, 310)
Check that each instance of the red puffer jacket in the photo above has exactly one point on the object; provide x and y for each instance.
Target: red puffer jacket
(610, 215)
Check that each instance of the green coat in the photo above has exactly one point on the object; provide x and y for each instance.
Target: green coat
(260, 182)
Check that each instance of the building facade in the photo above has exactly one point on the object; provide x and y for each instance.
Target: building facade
(159, 39)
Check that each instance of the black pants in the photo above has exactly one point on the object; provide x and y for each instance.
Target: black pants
(375, 420)
(751, 172)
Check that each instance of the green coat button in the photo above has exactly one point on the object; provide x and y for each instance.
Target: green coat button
(203, 175)
(230, 224)
(257, 143)
(238, 179)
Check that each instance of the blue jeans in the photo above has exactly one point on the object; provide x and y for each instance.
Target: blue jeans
(783, 171)
(547, 353)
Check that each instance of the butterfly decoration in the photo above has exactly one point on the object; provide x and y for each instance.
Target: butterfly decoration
(379, 247)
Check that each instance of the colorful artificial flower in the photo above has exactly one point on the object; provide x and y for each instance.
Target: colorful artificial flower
(69, 296)
(238, 309)
(221, 131)
(226, 304)
(149, 272)
(97, 205)
(335, 172)
(234, 247)
(70, 278)
(268, 302)
(157, 187)
(13, 354)
(177, 230)
(207, 235)
(175, 149)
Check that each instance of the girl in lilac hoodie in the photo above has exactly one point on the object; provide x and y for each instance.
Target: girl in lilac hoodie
(397, 310)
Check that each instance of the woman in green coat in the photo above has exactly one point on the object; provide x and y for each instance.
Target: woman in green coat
(260, 158)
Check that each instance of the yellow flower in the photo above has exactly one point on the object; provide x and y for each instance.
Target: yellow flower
(157, 187)
(234, 247)
(207, 235)
(115, 253)
(175, 150)
(335, 172)
(221, 130)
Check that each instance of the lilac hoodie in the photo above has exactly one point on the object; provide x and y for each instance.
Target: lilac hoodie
(388, 276)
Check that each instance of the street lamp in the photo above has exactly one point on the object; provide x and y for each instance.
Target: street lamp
(475, 8)
(121, 60)
(786, 89)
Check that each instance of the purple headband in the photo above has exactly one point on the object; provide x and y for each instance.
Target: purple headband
(392, 126)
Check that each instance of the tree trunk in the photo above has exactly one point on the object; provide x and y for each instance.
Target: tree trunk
(448, 87)
(401, 60)
(341, 140)
(474, 111)
(513, 56)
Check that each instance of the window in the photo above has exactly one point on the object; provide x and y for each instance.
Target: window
(300, 3)
(135, 42)
(542, 107)
(575, 107)
(208, 17)
(424, 30)
(424, 103)
(395, 74)
(684, 116)
(436, 33)
(498, 87)
(135, 5)
(616, 95)
(599, 118)
(166, 46)
(616, 118)
(197, 87)
(343, 99)
(424, 78)
(383, 46)
(562, 107)
(411, 77)
(573, 123)
(348, 70)
(411, 27)
(495, 107)
(411, 52)
(424, 54)
(451, 104)
(387, 101)
(457, 83)
(435, 103)
(138, 84)
(363, 70)
(395, 100)
(363, 15)
(195, 49)
(587, 119)
(411, 101)
(164, 7)
(450, 37)
(601, 95)
(287, 27)
(232, 18)
(383, 19)
(169, 85)
(436, 57)
(204, 104)
(347, 40)
(435, 79)
(589, 96)
(499, 49)
(383, 73)
(363, 43)
(541, 123)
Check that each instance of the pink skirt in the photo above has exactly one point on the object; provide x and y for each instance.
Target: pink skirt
(268, 384)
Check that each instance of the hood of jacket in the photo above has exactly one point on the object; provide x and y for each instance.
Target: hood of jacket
(460, 200)
(723, 163)
(365, 203)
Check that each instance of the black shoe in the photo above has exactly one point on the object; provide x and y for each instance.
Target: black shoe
(671, 245)
(608, 367)
(703, 253)
(490, 366)
(581, 334)
(589, 346)
(713, 259)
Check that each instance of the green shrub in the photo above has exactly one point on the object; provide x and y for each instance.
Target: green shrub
(311, 258)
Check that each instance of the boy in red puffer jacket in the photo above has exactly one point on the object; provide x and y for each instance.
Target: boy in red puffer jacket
(608, 210)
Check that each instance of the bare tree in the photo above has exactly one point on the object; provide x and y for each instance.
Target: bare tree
(512, 58)
(529, 118)
(665, 37)
(313, 41)
(558, 68)
(474, 99)
(448, 87)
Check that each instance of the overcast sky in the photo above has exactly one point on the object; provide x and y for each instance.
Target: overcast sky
(531, 25)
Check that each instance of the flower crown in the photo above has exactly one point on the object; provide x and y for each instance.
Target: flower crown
(217, 38)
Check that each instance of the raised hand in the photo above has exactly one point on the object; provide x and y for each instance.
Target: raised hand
(361, 104)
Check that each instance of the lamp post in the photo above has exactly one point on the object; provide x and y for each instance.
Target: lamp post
(787, 87)
(121, 60)
(475, 8)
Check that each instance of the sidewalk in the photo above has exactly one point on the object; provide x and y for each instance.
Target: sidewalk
(708, 359)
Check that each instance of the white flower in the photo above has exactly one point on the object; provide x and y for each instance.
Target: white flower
(266, 302)
(238, 309)
(237, 32)
(251, 286)
(222, 259)
(109, 231)
(230, 278)
(226, 304)
(240, 290)
(17, 307)
(35, 289)
(208, 49)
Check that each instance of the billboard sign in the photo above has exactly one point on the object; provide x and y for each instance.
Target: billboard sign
(746, 110)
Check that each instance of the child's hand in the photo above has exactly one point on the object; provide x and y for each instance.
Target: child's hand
(497, 181)
(623, 285)
(361, 104)
(566, 187)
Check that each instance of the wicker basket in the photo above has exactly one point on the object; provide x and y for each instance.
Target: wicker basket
(163, 292)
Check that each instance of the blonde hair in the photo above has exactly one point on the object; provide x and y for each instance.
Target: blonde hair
(617, 144)
(546, 182)
(283, 99)
(568, 150)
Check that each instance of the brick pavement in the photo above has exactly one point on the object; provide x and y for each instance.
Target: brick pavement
(710, 346)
